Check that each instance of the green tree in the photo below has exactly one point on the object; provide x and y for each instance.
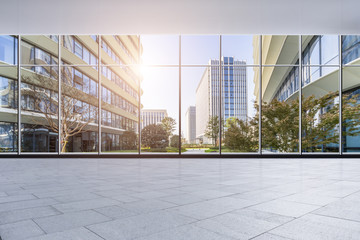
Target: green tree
(169, 125)
(213, 128)
(320, 122)
(154, 136)
(280, 121)
(174, 141)
(241, 135)
(129, 140)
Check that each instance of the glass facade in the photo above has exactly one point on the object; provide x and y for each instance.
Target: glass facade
(218, 94)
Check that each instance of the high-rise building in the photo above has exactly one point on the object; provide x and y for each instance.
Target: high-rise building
(190, 125)
(321, 61)
(234, 94)
(152, 116)
(79, 67)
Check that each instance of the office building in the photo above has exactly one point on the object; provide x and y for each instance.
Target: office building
(320, 76)
(234, 94)
(79, 70)
(190, 125)
(152, 116)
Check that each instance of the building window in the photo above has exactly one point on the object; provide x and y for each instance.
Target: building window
(8, 49)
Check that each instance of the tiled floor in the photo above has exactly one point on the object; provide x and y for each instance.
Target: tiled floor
(173, 199)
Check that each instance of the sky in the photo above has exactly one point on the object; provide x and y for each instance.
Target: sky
(161, 84)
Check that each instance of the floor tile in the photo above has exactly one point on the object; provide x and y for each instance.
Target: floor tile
(70, 220)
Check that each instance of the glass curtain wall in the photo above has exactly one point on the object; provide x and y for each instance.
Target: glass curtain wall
(280, 101)
(39, 93)
(189, 94)
(120, 84)
(159, 121)
(8, 94)
(200, 98)
(79, 94)
(320, 94)
(239, 95)
(351, 93)
(8, 108)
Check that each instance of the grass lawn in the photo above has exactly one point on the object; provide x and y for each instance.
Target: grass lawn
(168, 149)
(121, 151)
(223, 149)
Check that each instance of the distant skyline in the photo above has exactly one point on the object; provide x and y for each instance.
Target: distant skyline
(160, 84)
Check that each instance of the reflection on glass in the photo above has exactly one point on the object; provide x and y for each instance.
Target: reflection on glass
(350, 49)
(38, 50)
(120, 66)
(8, 109)
(79, 50)
(200, 109)
(320, 112)
(199, 50)
(351, 109)
(240, 108)
(79, 109)
(8, 49)
(160, 109)
(278, 49)
(39, 111)
(320, 50)
(280, 110)
(160, 49)
(119, 49)
(119, 109)
(241, 47)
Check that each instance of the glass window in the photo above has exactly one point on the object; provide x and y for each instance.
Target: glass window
(280, 49)
(154, 97)
(27, 53)
(200, 50)
(86, 84)
(78, 49)
(241, 47)
(8, 49)
(315, 52)
(160, 49)
(350, 48)
(94, 37)
(86, 55)
(68, 42)
(93, 60)
(280, 116)
(329, 49)
(320, 113)
(42, 57)
(93, 88)
(85, 110)
(350, 109)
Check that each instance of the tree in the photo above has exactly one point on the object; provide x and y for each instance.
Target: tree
(129, 140)
(320, 122)
(154, 136)
(169, 125)
(240, 135)
(280, 121)
(212, 129)
(174, 141)
(74, 115)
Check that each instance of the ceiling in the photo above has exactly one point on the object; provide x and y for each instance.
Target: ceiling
(179, 17)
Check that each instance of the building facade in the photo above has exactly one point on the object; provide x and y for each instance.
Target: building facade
(320, 76)
(152, 116)
(190, 125)
(234, 94)
(80, 68)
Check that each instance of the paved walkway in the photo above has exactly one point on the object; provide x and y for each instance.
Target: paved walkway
(173, 199)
